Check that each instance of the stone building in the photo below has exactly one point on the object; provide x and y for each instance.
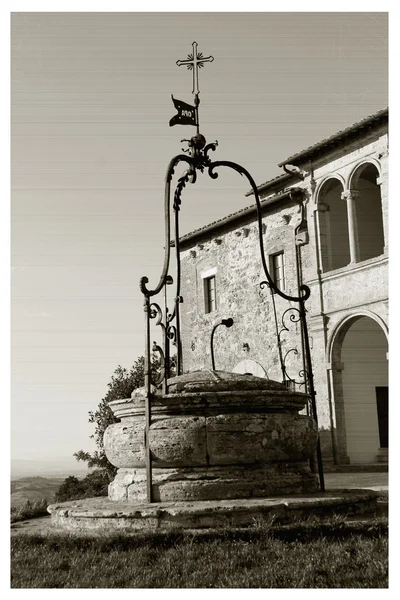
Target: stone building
(340, 250)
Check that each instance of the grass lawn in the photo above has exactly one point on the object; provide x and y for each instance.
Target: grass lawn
(329, 555)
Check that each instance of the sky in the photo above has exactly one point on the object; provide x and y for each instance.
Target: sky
(90, 144)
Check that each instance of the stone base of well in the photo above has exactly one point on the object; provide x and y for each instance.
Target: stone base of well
(98, 515)
(214, 436)
(213, 482)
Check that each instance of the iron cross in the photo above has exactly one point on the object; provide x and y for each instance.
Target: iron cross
(194, 62)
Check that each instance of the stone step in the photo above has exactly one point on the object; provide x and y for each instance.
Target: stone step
(383, 455)
(378, 467)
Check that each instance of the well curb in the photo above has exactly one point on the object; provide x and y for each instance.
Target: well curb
(101, 514)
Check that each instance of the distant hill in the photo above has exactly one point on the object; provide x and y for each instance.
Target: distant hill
(57, 467)
(34, 488)
(38, 479)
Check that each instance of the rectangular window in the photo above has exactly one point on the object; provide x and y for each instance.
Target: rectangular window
(278, 270)
(210, 297)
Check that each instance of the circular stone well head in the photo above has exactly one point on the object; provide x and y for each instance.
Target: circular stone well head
(210, 381)
(215, 435)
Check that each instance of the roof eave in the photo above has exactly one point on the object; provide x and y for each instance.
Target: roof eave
(235, 218)
(325, 145)
(271, 184)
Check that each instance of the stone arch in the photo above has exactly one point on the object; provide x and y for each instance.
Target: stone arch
(354, 175)
(332, 223)
(359, 387)
(251, 367)
(318, 191)
(343, 326)
(364, 184)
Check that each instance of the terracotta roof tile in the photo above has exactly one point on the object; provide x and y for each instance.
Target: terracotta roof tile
(369, 121)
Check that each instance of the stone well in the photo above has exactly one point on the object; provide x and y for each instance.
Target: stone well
(214, 436)
(227, 450)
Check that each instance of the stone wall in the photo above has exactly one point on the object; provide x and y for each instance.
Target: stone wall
(233, 251)
(238, 295)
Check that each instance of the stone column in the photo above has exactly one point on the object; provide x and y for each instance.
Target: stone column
(350, 196)
(339, 433)
(324, 236)
(382, 181)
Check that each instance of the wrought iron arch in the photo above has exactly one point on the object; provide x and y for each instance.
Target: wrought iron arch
(169, 320)
(197, 159)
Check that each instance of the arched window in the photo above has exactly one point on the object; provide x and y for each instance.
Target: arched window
(333, 226)
(368, 209)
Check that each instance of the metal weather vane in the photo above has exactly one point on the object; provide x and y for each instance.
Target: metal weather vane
(188, 114)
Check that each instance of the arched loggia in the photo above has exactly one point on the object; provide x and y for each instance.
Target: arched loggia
(368, 209)
(360, 390)
(333, 226)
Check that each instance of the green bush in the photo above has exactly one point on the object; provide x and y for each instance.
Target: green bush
(93, 485)
(122, 384)
(29, 510)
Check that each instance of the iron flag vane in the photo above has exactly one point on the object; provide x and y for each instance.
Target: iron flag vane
(197, 159)
(188, 114)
